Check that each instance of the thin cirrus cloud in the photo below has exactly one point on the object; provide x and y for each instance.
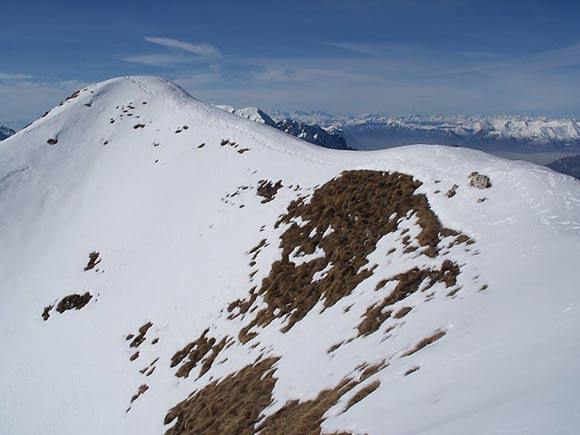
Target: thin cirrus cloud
(366, 49)
(5, 76)
(180, 52)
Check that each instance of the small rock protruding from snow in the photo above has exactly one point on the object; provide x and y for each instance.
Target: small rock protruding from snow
(479, 181)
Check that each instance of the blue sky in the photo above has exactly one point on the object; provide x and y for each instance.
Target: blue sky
(433, 57)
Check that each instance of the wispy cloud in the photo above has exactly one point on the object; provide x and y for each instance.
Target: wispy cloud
(403, 79)
(368, 49)
(179, 52)
(202, 50)
(159, 59)
(5, 76)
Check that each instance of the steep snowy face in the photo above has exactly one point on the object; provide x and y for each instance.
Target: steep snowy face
(168, 267)
(5, 132)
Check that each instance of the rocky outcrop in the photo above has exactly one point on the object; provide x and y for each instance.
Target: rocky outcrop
(479, 181)
(6, 132)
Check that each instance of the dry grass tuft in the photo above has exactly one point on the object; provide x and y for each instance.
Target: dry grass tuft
(408, 283)
(73, 302)
(232, 406)
(142, 389)
(203, 350)
(304, 418)
(402, 312)
(425, 342)
(372, 370)
(46, 312)
(140, 338)
(362, 393)
(411, 370)
(93, 261)
(267, 190)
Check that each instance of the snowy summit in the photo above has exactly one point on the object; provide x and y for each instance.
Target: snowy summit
(169, 267)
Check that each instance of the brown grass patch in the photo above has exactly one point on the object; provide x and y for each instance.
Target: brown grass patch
(411, 370)
(374, 317)
(73, 302)
(372, 370)
(425, 342)
(304, 418)
(357, 205)
(256, 249)
(140, 338)
(209, 360)
(232, 406)
(46, 312)
(362, 393)
(93, 261)
(203, 350)
(402, 312)
(408, 283)
(142, 389)
(268, 190)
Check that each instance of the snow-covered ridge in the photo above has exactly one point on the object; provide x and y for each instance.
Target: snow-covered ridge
(168, 267)
(477, 131)
(315, 134)
(252, 113)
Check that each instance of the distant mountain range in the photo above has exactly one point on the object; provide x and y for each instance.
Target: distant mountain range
(310, 132)
(490, 133)
(5, 132)
(372, 131)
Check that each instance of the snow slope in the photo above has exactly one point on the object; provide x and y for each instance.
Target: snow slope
(181, 202)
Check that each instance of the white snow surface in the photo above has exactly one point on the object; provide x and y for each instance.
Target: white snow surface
(174, 253)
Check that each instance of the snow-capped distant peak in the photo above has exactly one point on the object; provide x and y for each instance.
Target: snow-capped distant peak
(372, 130)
